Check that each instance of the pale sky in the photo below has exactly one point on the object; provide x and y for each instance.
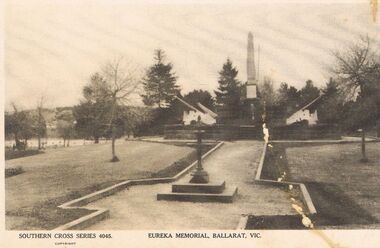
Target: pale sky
(52, 48)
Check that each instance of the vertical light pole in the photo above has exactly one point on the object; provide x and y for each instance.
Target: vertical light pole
(199, 175)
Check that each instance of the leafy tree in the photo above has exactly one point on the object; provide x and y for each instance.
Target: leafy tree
(135, 117)
(331, 106)
(282, 93)
(8, 125)
(308, 93)
(39, 127)
(19, 124)
(160, 83)
(65, 125)
(288, 98)
(267, 92)
(228, 92)
(103, 112)
(93, 113)
(200, 96)
(357, 68)
(271, 113)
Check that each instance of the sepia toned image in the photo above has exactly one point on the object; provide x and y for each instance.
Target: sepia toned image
(177, 115)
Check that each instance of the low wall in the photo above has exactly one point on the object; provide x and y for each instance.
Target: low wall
(233, 132)
(304, 132)
(215, 132)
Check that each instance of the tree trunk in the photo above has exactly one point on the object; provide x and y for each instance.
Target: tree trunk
(364, 157)
(113, 146)
(17, 141)
(114, 157)
(96, 140)
(113, 129)
(39, 142)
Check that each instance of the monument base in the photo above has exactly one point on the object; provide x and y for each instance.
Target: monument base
(200, 192)
(199, 176)
(211, 188)
(226, 197)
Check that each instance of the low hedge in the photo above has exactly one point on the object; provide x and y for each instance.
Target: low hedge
(10, 154)
(9, 172)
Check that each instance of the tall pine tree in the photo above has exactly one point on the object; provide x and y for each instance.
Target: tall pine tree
(160, 83)
(308, 93)
(228, 92)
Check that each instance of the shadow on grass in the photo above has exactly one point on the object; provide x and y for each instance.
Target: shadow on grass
(46, 215)
(334, 207)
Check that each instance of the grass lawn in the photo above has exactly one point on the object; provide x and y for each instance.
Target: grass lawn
(62, 174)
(345, 191)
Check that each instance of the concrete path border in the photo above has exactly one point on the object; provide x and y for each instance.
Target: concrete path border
(326, 142)
(306, 199)
(99, 214)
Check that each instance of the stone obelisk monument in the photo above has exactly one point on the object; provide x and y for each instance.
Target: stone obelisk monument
(251, 71)
(251, 86)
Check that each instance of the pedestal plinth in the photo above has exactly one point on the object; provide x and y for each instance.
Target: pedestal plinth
(200, 192)
(199, 176)
(199, 188)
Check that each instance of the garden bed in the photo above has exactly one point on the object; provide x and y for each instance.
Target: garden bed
(274, 222)
(181, 164)
(10, 154)
(10, 172)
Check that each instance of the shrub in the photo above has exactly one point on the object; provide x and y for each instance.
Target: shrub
(9, 172)
(10, 154)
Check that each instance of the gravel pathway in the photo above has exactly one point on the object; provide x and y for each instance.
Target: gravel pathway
(235, 162)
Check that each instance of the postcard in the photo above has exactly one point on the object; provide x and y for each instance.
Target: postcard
(190, 123)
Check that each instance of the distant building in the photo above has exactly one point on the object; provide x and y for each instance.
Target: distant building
(308, 113)
(191, 113)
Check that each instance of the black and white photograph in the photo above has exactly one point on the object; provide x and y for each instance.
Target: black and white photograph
(191, 120)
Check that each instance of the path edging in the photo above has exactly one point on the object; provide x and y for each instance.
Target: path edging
(305, 196)
(101, 213)
(242, 222)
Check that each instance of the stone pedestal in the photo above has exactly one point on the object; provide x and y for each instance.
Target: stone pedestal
(199, 189)
(199, 176)
(200, 192)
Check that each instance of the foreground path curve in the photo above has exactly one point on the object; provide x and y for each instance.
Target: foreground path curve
(235, 162)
